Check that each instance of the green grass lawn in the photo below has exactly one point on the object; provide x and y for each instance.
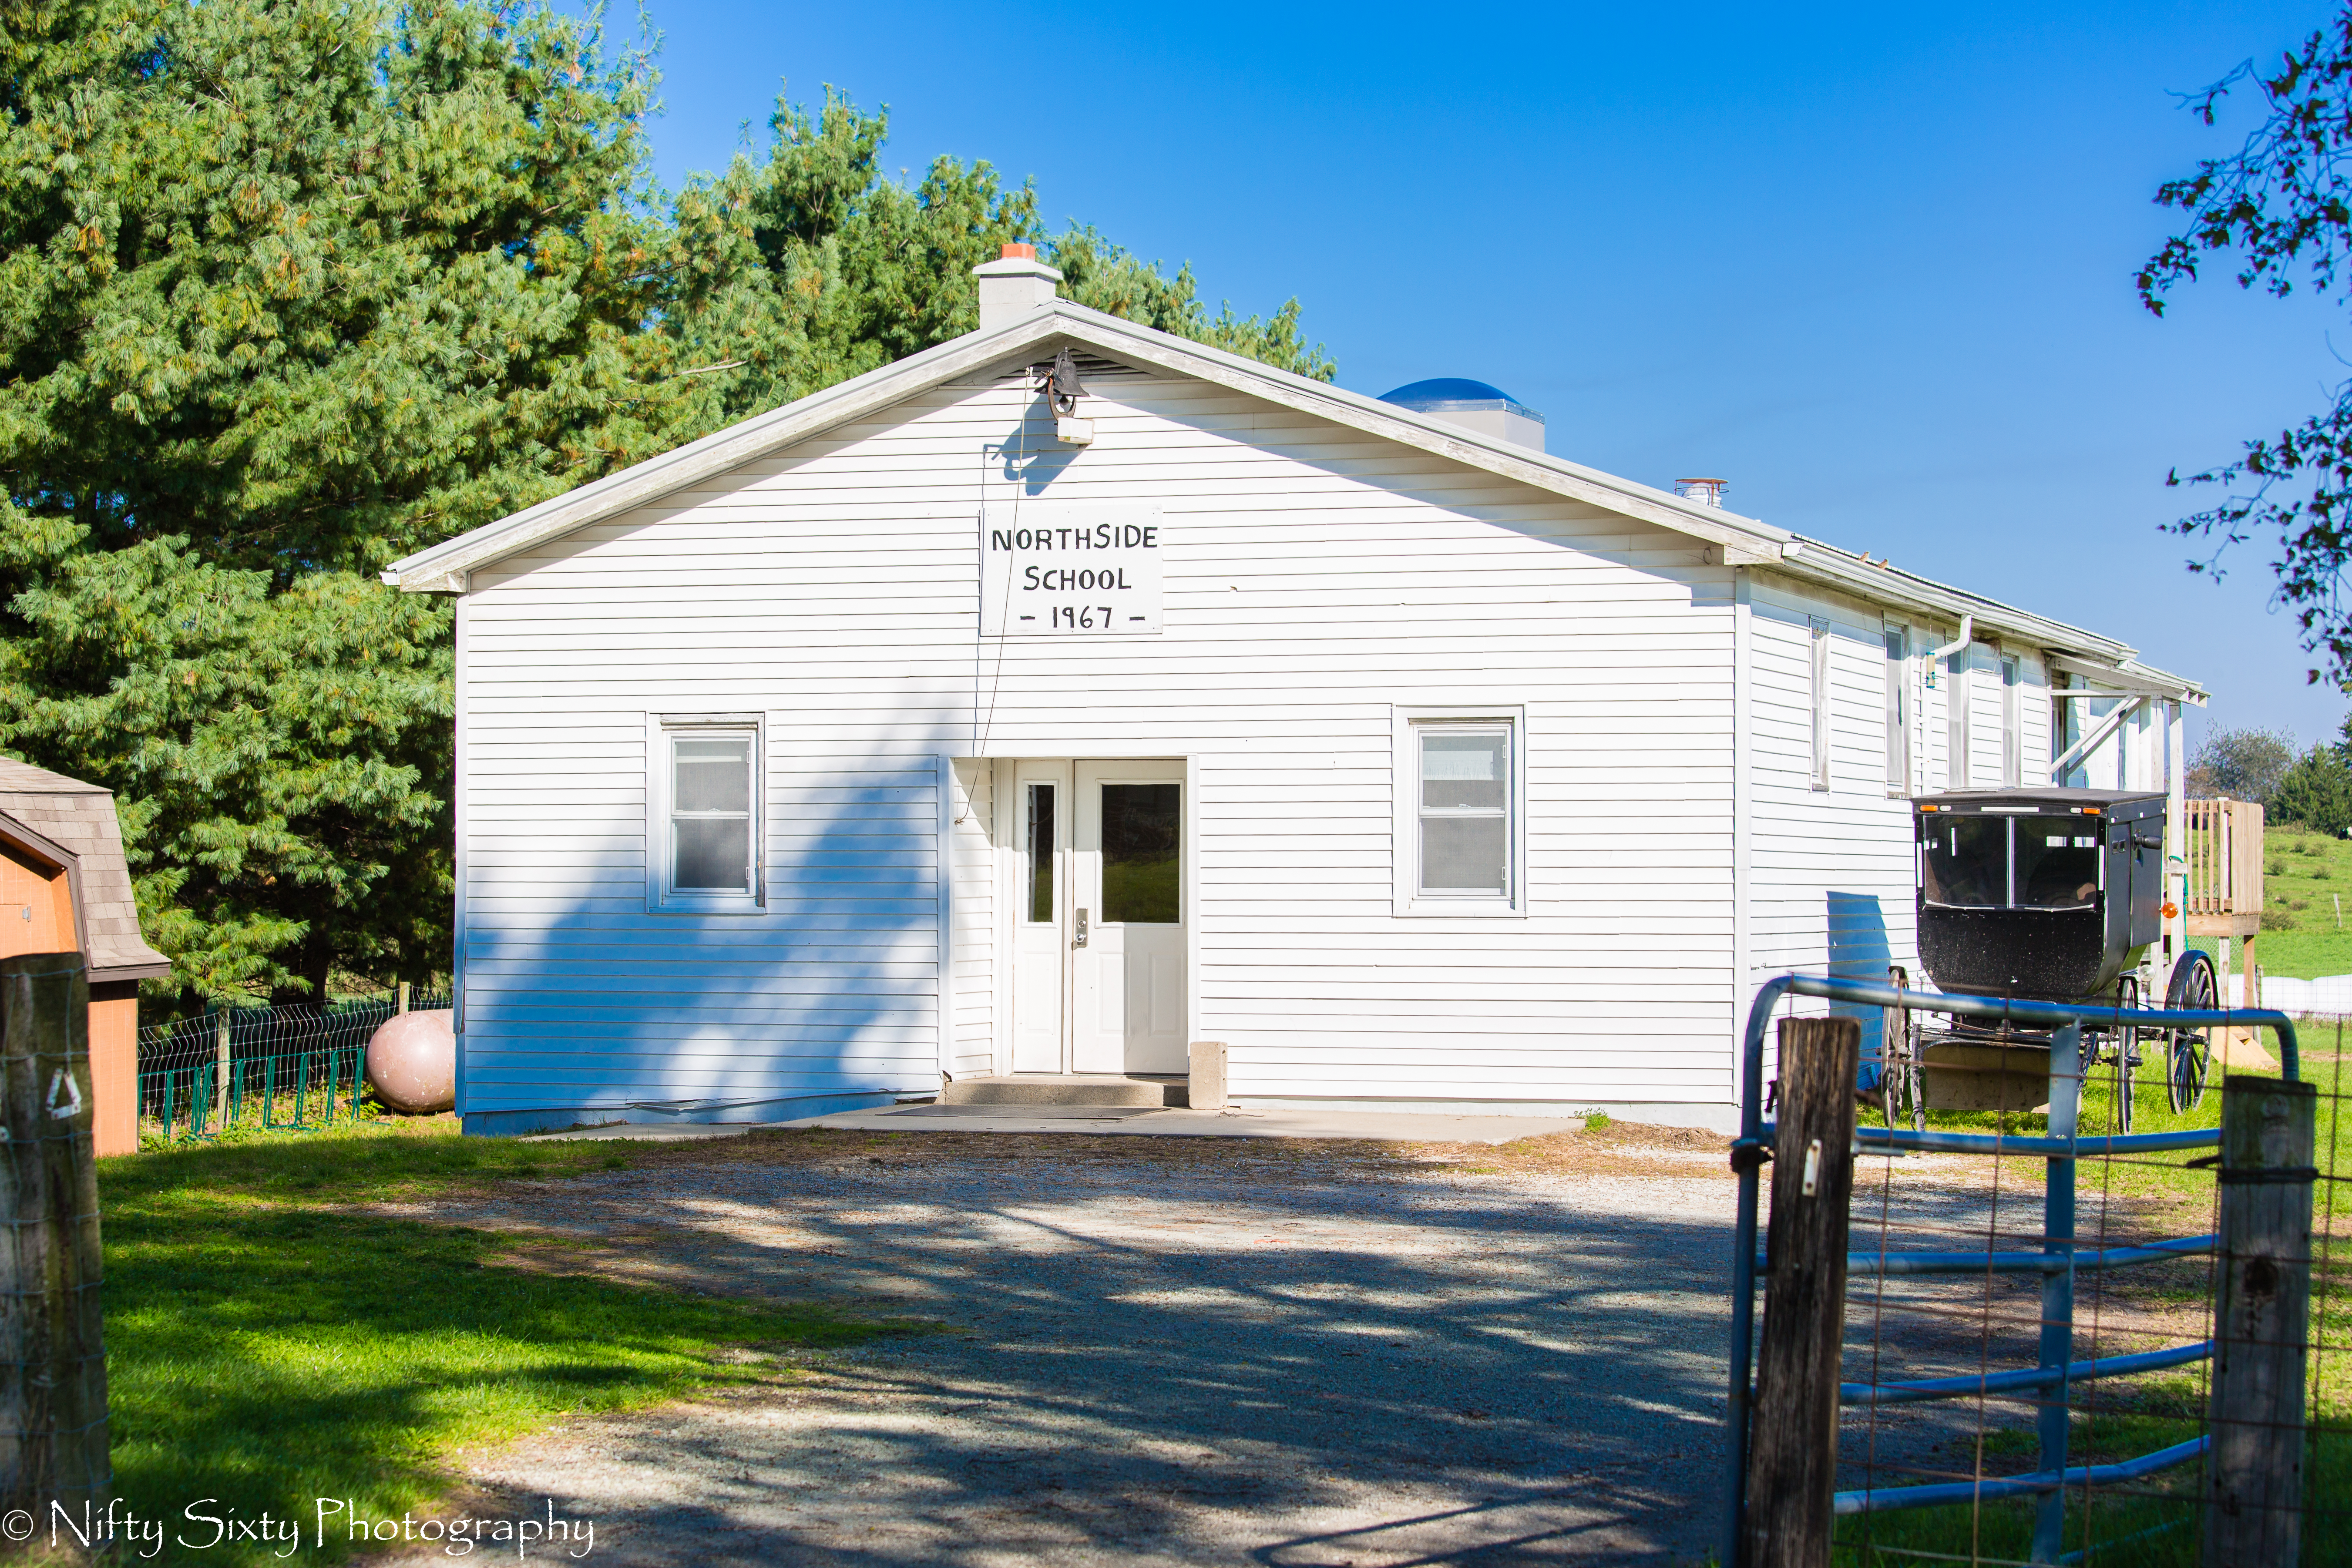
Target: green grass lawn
(266, 1349)
(2154, 1523)
(2303, 876)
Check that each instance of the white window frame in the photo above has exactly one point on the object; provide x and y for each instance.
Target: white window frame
(1898, 709)
(660, 897)
(1407, 898)
(2012, 720)
(1818, 679)
(2066, 726)
(1960, 738)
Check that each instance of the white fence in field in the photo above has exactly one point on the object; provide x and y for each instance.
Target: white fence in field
(2329, 996)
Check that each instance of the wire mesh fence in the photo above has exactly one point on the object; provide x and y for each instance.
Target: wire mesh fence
(288, 1069)
(2049, 1338)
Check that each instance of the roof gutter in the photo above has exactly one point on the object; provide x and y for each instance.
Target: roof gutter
(2129, 678)
(1829, 566)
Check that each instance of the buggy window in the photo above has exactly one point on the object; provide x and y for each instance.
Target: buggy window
(2057, 865)
(1998, 862)
(1967, 861)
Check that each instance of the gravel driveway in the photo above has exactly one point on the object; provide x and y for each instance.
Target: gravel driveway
(1165, 1351)
(1195, 1349)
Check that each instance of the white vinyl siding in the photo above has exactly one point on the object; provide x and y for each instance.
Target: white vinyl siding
(975, 944)
(1829, 878)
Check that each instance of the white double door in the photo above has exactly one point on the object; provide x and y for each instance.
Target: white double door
(1099, 915)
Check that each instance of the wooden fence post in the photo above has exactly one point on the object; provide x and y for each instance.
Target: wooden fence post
(2262, 1319)
(1792, 1455)
(53, 1427)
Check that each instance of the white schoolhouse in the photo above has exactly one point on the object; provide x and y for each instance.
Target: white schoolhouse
(968, 718)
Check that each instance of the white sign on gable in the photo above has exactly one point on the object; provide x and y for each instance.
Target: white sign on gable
(1069, 568)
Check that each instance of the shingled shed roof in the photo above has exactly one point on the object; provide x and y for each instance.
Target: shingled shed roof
(79, 818)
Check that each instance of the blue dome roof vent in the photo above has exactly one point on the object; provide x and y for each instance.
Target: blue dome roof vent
(1474, 405)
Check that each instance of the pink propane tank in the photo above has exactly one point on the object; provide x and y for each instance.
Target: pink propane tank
(411, 1062)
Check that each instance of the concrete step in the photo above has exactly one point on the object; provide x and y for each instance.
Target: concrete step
(1072, 1088)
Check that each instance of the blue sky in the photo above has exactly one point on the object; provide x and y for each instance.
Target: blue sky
(1871, 264)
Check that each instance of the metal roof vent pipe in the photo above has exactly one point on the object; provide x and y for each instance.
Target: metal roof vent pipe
(1012, 285)
(1474, 405)
(1706, 492)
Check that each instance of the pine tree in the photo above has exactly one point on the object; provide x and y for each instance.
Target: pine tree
(291, 289)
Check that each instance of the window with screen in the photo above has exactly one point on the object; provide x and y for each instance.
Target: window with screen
(1959, 692)
(1817, 676)
(2012, 717)
(1463, 810)
(706, 830)
(1898, 710)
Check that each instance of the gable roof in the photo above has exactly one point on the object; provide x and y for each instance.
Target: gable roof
(1732, 539)
(78, 819)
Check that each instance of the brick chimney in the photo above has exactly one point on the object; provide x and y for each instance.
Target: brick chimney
(1014, 285)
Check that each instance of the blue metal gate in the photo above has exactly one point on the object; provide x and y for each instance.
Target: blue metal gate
(2057, 1262)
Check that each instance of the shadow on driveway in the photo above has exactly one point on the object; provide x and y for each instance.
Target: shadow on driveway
(1301, 1361)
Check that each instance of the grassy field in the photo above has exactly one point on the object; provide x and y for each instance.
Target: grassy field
(2303, 877)
(267, 1347)
(2155, 1523)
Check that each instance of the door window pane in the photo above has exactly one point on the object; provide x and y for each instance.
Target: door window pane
(1040, 854)
(1142, 832)
(1465, 842)
(710, 813)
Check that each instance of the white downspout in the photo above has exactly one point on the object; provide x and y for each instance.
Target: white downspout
(1958, 644)
(1743, 762)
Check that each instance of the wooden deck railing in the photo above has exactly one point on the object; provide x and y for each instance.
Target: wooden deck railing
(2225, 856)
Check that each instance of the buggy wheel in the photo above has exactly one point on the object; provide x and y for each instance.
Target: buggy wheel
(1899, 1052)
(2126, 1044)
(1914, 1088)
(2188, 1055)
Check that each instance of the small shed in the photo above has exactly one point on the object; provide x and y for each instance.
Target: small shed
(64, 888)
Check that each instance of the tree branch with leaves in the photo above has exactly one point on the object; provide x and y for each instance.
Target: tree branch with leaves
(2280, 205)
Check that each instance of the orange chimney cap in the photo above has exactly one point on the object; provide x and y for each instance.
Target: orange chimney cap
(1020, 253)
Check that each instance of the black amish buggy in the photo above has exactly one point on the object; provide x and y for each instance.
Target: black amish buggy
(2043, 895)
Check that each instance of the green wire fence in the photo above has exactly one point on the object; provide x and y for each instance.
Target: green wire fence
(286, 1068)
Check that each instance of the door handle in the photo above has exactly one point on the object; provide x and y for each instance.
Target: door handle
(1081, 939)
